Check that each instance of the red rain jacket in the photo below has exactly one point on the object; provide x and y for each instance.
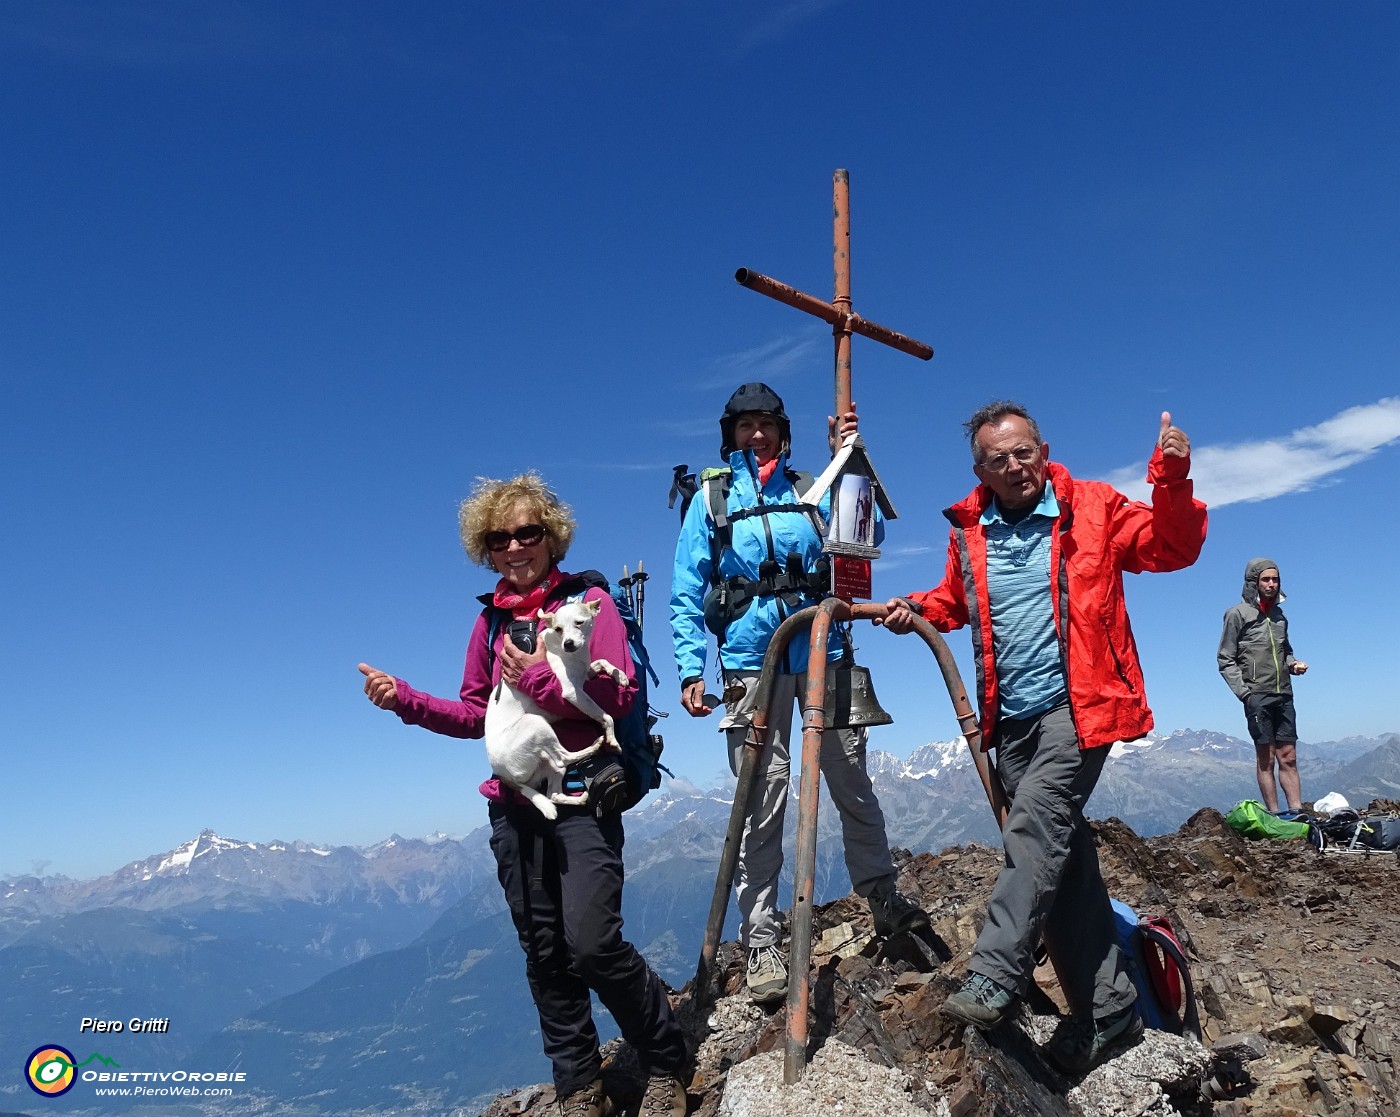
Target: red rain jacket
(1099, 534)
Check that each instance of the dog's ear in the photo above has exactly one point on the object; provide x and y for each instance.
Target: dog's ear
(594, 605)
(546, 619)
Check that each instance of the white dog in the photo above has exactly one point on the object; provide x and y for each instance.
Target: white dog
(520, 740)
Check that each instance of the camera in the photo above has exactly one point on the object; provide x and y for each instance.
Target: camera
(522, 635)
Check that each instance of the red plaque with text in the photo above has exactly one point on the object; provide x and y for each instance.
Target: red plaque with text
(850, 577)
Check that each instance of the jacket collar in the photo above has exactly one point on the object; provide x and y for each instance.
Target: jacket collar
(743, 464)
(970, 509)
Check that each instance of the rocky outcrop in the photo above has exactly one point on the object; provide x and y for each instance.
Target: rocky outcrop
(1295, 957)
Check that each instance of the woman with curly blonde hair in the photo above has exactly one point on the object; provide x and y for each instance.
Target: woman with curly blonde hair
(562, 877)
(492, 502)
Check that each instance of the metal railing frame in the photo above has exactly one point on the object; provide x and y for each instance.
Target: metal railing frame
(820, 619)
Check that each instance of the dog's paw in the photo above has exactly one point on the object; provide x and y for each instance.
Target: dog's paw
(578, 800)
(605, 743)
(603, 667)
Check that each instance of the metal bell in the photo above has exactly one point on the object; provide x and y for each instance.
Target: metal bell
(850, 698)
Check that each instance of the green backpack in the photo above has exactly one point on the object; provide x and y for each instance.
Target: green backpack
(1250, 818)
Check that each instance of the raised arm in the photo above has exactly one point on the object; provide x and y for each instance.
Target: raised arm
(1169, 533)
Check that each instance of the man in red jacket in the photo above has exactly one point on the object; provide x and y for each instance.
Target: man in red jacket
(1035, 569)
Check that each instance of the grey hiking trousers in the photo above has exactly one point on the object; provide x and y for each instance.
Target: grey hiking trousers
(761, 846)
(1050, 884)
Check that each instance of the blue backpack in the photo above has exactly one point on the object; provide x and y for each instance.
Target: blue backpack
(613, 782)
(1159, 971)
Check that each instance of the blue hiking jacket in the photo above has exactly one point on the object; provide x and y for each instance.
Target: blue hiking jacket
(755, 540)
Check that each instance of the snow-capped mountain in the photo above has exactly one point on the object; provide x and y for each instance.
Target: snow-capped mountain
(210, 868)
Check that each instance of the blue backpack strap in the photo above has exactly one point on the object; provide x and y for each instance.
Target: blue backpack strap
(1127, 926)
(715, 483)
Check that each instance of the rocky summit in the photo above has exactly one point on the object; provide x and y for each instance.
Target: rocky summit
(1295, 957)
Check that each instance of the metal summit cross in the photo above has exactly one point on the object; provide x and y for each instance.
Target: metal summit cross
(850, 542)
(851, 575)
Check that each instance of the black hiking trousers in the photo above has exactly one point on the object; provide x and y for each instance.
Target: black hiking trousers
(563, 882)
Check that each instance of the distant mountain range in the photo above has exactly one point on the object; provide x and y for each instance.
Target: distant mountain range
(212, 930)
(344, 978)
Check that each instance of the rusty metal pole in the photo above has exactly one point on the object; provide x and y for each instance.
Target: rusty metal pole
(805, 855)
(754, 744)
(804, 868)
(841, 267)
(819, 308)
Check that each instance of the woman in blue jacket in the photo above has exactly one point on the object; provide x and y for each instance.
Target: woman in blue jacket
(740, 578)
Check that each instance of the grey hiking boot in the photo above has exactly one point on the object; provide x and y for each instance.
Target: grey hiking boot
(664, 1097)
(1080, 1045)
(768, 974)
(590, 1101)
(893, 914)
(980, 1001)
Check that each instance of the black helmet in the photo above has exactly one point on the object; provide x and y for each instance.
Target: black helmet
(752, 397)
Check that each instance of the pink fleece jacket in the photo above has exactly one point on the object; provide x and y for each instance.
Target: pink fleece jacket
(467, 717)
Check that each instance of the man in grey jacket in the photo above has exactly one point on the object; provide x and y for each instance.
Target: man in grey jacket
(1257, 662)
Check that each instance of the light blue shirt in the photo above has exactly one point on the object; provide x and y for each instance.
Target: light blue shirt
(1030, 674)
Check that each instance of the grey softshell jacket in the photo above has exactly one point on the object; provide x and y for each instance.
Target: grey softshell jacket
(1254, 653)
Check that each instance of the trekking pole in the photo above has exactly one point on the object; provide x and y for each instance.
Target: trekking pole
(639, 579)
(626, 582)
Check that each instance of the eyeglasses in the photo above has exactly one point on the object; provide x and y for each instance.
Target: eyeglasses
(527, 535)
(1023, 454)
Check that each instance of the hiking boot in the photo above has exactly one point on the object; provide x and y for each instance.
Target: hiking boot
(980, 1001)
(894, 914)
(664, 1097)
(590, 1101)
(768, 973)
(1080, 1045)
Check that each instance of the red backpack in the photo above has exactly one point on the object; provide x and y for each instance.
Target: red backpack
(1158, 967)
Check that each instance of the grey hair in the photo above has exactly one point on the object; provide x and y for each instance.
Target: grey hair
(993, 413)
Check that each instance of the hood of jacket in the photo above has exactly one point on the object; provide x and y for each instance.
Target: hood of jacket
(1252, 570)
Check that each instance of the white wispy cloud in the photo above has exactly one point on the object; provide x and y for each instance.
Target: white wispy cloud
(773, 360)
(1292, 463)
(777, 23)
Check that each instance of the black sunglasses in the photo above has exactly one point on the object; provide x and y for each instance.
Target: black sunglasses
(527, 535)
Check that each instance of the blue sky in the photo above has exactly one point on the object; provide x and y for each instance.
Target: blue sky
(282, 280)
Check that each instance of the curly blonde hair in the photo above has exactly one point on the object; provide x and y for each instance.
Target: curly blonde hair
(493, 501)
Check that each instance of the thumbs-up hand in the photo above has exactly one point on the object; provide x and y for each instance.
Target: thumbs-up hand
(1172, 440)
(380, 688)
